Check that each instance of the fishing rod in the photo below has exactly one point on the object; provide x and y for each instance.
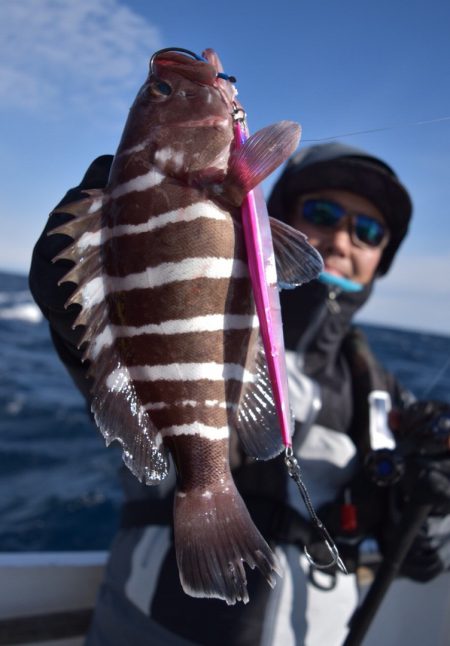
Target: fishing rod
(413, 517)
(428, 422)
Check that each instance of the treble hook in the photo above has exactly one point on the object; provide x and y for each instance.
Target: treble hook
(295, 473)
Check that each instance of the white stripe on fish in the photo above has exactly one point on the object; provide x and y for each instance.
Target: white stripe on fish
(168, 154)
(209, 371)
(94, 291)
(207, 323)
(206, 210)
(197, 428)
(139, 183)
(209, 403)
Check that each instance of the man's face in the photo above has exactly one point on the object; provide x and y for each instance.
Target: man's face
(343, 253)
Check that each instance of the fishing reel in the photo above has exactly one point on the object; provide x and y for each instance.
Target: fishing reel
(422, 432)
(385, 467)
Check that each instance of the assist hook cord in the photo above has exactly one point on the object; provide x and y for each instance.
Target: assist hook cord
(294, 471)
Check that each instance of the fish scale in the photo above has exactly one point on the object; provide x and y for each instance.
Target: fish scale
(175, 354)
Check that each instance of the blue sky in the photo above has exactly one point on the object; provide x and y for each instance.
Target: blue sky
(70, 69)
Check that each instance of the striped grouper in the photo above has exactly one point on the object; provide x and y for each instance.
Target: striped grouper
(171, 334)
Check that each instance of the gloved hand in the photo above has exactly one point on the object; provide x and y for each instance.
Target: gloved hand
(45, 275)
(424, 428)
(422, 562)
(422, 432)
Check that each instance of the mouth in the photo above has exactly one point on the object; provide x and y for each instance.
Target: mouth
(332, 269)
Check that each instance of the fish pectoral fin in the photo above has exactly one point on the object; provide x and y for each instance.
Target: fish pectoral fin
(260, 155)
(297, 261)
(214, 535)
(256, 421)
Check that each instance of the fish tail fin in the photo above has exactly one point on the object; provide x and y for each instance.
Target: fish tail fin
(214, 535)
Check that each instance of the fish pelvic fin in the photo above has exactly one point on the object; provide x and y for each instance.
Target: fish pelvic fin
(119, 415)
(297, 262)
(260, 155)
(214, 536)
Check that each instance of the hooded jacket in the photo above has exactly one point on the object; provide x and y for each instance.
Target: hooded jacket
(317, 324)
(323, 351)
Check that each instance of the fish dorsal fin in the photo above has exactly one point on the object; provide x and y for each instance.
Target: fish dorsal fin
(297, 261)
(259, 156)
(256, 420)
(115, 404)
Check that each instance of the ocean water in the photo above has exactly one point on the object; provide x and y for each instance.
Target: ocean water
(58, 483)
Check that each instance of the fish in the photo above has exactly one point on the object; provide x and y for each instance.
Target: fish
(170, 331)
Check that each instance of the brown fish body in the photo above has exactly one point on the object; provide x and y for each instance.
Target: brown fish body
(171, 331)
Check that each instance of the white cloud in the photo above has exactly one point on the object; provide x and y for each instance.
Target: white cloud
(64, 53)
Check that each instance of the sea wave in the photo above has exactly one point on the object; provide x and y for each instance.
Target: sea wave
(19, 306)
(27, 312)
(59, 488)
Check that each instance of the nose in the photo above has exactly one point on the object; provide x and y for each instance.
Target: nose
(339, 241)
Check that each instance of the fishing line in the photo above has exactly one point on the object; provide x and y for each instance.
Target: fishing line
(381, 129)
(438, 377)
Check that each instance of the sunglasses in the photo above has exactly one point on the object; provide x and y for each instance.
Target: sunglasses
(365, 230)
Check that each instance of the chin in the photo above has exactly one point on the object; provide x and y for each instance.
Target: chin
(336, 272)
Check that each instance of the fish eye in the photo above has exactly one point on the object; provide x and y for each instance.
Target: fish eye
(159, 87)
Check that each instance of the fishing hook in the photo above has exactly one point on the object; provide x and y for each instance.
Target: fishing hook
(238, 113)
(295, 473)
(195, 56)
(181, 50)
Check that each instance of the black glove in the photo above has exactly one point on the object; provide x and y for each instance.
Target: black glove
(423, 439)
(45, 275)
(423, 428)
(422, 563)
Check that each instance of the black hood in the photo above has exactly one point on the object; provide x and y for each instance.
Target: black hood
(317, 317)
(316, 322)
(336, 165)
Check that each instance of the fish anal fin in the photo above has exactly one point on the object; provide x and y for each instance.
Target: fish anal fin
(214, 536)
(256, 420)
(297, 261)
(259, 156)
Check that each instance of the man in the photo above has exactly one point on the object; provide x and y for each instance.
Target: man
(356, 213)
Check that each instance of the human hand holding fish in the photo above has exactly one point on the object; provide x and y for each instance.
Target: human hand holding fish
(171, 333)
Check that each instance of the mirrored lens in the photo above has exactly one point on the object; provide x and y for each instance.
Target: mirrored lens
(322, 212)
(368, 230)
(365, 229)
